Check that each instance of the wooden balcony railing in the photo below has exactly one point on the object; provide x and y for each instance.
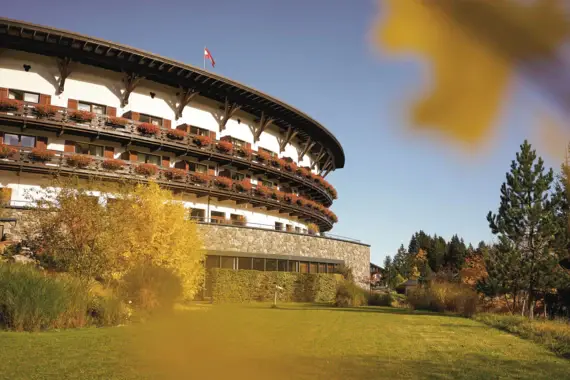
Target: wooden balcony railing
(29, 160)
(129, 130)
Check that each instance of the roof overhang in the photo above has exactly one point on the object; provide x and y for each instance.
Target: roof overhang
(42, 40)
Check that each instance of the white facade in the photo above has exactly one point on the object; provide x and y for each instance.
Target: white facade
(99, 86)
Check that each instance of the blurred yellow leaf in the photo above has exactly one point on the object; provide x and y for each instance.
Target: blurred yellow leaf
(474, 47)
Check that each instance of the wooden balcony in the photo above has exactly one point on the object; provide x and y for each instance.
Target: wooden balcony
(23, 160)
(101, 127)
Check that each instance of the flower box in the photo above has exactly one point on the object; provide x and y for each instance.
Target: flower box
(202, 141)
(244, 151)
(290, 166)
(148, 129)
(80, 161)
(146, 169)
(244, 185)
(175, 174)
(9, 105)
(263, 156)
(300, 201)
(7, 151)
(223, 182)
(263, 191)
(44, 155)
(45, 110)
(113, 165)
(290, 198)
(81, 116)
(277, 162)
(303, 172)
(200, 178)
(176, 134)
(117, 121)
(224, 146)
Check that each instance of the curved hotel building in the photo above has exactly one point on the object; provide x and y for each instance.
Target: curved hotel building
(250, 168)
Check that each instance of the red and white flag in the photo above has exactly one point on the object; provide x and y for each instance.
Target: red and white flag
(208, 55)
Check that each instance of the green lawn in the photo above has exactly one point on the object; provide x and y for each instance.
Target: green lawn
(292, 342)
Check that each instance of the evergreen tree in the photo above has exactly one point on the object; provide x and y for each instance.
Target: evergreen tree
(436, 255)
(402, 262)
(526, 225)
(455, 254)
(413, 247)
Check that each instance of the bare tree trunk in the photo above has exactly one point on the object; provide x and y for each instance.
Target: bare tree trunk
(523, 305)
(511, 310)
(544, 303)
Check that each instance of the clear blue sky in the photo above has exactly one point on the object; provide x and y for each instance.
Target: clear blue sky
(316, 55)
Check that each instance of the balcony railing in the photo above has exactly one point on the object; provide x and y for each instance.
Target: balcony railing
(127, 129)
(26, 159)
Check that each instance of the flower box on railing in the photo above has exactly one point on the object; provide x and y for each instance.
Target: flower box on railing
(81, 116)
(277, 162)
(42, 155)
(290, 198)
(290, 166)
(200, 178)
(80, 161)
(7, 151)
(45, 110)
(202, 141)
(148, 129)
(244, 186)
(223, 182)
(176, 134)
(147, 170)
(244, 151)
(300, 201)
(263, 191)
(175, 174)
(224, 146)
(303, 172)
(117, 121)
(113, 164)
(263, 156)
(7, 105)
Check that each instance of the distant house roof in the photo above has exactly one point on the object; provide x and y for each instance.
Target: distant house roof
(374, 266)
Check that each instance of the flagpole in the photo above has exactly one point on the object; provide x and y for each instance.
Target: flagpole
(204, 55)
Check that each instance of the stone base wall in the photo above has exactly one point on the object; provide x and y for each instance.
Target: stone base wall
(268, 242)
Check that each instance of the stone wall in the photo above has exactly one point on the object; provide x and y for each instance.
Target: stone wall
(268, 242)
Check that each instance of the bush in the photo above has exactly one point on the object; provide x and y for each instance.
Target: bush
(446, 296)
(108, 310)
(151, 287)
(555, 335)
(249, 285)
(348, 294)
(380, 299)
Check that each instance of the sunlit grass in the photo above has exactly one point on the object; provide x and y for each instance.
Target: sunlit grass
(290, 342)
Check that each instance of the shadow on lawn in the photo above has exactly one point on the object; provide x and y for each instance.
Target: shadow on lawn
(365, 309)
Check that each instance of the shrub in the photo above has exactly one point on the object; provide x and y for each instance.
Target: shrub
(224, 146)
(446, 296)
(244, 185)
(348, 294)
(113, 164)
(249, 285)
(119, 121)
(176, 134)
(79, 160)
(175, 174)
(148, 129)
(6, 151)
(107, 310)
(9, 104)
(45, 110)
(200, 177)
(146, 169)
(244, 151)
(151, 287)
(40, 154)
(81, 116)
(202, 141)
(380, 299)
(313, 228)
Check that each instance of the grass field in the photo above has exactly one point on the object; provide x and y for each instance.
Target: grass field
(291, 342)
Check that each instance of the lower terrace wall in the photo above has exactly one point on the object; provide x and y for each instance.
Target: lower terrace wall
(250, 240)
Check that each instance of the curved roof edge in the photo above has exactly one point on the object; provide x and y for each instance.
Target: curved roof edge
(20, 35)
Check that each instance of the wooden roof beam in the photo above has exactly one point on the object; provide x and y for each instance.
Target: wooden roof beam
(64, 67)
(228, 111)
(130, 82)
(283, 141)
(319, 156)
(184, 98)
(261, 126)
(308, 146)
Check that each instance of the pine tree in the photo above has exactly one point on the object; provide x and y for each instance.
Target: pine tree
(402, 262)
(455, 254)
(436, 254)
(413, 247)
(525, 224)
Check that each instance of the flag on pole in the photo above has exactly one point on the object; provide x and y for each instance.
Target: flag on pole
(208, 55)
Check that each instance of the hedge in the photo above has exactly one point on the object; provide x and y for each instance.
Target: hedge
(230, 285)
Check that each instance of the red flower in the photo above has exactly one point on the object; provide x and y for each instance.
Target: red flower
(244, 185)
(200, 177)
(225, 146)
(146, 169)
(202, 141)
(175, 174)
(79, 160)
(176, 134)
(148, 129)
(45, 110)
(81, 116)
(224, 182)
(42, 154)
(6, 151)
(113, 164)
(117, 121)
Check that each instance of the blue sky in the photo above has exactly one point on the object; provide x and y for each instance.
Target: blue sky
(316, 55)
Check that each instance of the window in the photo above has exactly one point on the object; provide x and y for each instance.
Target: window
(258, 264)
(217, 217)
(227, 262)
(198, 168)
(238, 220)
(90, 107)
(322, 268)
(20, 140)
(89, 149)
(212, 262)
(303, 267)
(245, 263)
(279, 226)
(282, 265)
(313, 268)
(237, 143)
(298, 230)
(150, 119)
(293, 266)
(330, 268)
(271, 265)
(238, 176)
(265, 182)
(272, 154)
(304, 230)
(148, 158)
(24, 96)
(199, 131)
(289, 228)
(198, 214)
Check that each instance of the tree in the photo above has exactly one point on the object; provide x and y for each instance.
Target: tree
(526, 225)
(436, 254)
(455, 254)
